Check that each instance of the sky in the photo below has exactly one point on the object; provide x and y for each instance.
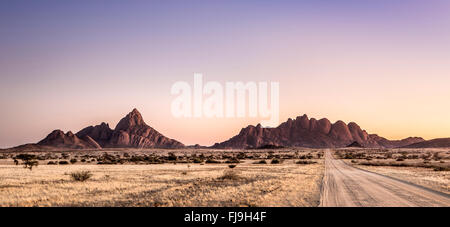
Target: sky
(69, 64)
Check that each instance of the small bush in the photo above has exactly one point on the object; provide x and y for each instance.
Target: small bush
(172, 157)
(354, 161)
(441, 168)
(260, 162)
(231, 166)
(400, 159)
(241, 155)
(348, 156)
(73, 160)
(232, 160)
(51, 163)
(275, 161)
(229, 175)
(63, 162)
(81, 175)
(304, 162)
(212, 161)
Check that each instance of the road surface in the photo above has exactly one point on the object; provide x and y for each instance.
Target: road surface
(345, 186)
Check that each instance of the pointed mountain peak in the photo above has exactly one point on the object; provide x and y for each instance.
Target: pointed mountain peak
(134, 118)
(135, 111)
(57, 132)
(70, 134)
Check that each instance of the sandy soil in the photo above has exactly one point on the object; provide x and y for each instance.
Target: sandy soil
(286, 184)
(436, 180)
(344, 185)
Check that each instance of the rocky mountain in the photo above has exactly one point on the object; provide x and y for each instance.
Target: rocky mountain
(355, 144)
(100, 133)
(130, 132)
(57, 138)
(434, 143)
(305, 132)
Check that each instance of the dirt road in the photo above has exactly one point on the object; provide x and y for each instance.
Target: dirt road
(344, 186)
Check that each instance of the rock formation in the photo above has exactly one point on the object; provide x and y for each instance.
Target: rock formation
(304, 132)
(57, 138)
(131, 132)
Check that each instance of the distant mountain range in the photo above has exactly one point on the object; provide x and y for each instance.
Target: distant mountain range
(441, 142)
(133, 132)
(130, 132)
(304, 132)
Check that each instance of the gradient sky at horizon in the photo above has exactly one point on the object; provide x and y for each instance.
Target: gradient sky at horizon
(69, 64)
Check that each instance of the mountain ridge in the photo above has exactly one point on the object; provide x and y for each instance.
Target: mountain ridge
(130, 132)
(433, 143)
(313, 133)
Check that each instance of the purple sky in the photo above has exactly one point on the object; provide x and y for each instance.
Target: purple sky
(70, 64)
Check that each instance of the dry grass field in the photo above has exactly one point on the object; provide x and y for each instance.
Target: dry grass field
(426, 167)
(176, 183)
(200, 177)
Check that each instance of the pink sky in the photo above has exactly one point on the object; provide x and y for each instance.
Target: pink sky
(384, 66)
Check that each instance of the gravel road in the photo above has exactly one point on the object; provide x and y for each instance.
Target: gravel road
(346, 186)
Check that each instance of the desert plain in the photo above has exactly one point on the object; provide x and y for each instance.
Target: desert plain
(294, 177)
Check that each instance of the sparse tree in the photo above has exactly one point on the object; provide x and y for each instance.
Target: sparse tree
(29, 160)
(30, 164)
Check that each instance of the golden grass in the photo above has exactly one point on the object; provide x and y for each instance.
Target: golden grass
(286, 184)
